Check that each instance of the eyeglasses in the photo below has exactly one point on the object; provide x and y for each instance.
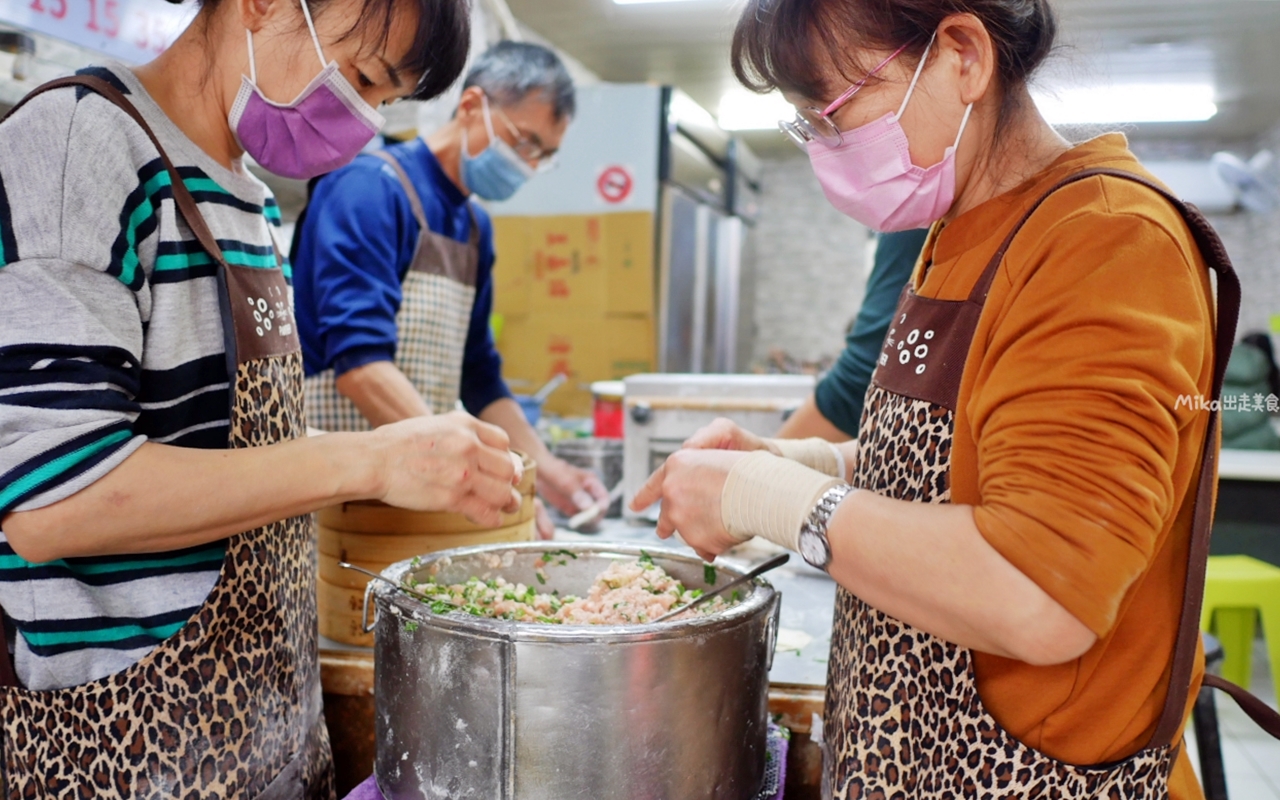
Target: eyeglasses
(813, 124)
(525, 147)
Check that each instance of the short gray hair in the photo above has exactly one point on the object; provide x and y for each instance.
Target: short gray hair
(510, 71)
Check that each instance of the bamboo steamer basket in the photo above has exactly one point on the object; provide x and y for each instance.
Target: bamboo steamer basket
(374, 535)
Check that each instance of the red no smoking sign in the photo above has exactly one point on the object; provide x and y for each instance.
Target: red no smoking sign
(615, 184)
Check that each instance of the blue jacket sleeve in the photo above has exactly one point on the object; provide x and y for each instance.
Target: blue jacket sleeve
(352, 249)
(482, 382)
(841, 394)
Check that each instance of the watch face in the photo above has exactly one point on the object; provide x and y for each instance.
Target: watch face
(814, 550)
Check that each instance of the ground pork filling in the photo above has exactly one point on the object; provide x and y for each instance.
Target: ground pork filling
(628, 591)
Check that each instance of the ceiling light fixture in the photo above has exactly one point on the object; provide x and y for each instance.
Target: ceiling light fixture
(684, 108)
(1128, 102)
(741, 110)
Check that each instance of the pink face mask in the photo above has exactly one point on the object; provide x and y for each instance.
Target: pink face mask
(325, 126)
(869, 175)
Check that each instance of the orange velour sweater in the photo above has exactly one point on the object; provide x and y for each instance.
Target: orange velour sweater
(1070, 441)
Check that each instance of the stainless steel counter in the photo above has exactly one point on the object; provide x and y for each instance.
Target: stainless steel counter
(808, 598)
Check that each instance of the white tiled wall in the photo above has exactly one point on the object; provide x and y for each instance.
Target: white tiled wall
(809, 266)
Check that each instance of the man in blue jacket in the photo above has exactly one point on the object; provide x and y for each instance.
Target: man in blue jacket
(393, 266)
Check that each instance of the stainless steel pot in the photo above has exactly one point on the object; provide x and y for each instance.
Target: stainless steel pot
(601, 456)
(469, 707)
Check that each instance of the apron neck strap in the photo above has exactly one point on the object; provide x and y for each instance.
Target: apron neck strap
(415, 200)
(181, 196)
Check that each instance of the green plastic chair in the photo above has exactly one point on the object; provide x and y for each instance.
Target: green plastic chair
(1237, 591)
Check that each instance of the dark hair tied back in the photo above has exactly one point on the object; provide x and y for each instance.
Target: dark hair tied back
(441, 40)
(780, 44)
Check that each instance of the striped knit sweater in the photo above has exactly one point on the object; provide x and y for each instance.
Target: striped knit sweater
(110, 336)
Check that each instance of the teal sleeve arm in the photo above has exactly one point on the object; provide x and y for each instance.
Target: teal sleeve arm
(841, 393)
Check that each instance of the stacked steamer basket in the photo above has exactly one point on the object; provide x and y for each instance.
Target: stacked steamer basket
(374, 535)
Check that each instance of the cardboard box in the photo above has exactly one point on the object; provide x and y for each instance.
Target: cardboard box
(580, 264)
(568, 270)
(630, 270)
(587, 347)
(511, 273)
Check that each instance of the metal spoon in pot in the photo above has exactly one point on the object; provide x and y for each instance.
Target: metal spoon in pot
(414, 594)
(771, 564)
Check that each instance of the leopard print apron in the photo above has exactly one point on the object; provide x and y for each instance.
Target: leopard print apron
(437, 296)
(229, 706)
(903, 716)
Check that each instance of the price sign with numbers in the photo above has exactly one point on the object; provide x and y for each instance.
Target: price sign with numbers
(133, 31)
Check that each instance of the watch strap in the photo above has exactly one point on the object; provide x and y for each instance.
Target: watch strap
(818, 521)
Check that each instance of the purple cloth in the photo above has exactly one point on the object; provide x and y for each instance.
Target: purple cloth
(775, 777)
(775, 769)
(366, 791)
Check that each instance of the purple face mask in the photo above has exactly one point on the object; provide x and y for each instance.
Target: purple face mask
(325, 126)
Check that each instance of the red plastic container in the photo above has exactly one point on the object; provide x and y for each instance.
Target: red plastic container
(608, 409)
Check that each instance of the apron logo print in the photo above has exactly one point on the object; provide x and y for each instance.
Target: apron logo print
(911, 347)
(270, 315)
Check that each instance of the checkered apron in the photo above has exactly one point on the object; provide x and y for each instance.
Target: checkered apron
(437, 296)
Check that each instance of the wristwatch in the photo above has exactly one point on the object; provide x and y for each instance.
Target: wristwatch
(815, 548)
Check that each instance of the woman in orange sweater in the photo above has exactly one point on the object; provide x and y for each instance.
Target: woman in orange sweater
(1013, 540)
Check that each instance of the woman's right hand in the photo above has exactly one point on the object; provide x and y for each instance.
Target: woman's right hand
(448, 462)
(725, 434)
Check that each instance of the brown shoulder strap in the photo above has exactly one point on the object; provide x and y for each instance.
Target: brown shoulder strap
(474, 238)
(415, 202)
(181, 196)
(1228, 291)
(983, 287)
(1215, 255)
(1261, 713)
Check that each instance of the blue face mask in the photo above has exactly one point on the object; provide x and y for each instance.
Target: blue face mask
(496, 172)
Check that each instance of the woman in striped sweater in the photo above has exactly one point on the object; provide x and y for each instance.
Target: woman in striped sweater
(155, 477)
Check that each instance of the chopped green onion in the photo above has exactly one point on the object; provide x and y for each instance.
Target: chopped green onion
(709, 574)
(410, 626)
